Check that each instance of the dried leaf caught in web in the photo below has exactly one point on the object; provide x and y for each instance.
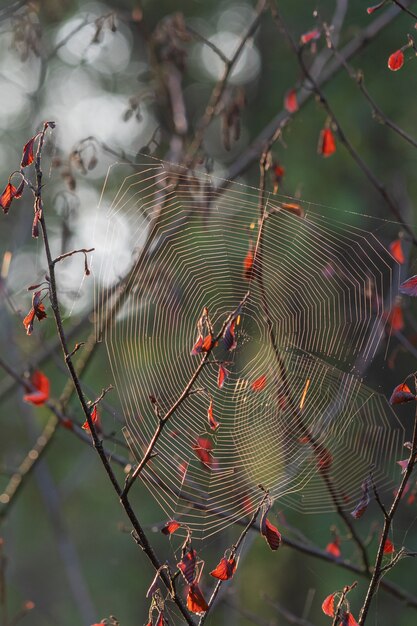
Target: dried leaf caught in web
(213, 423)
(229, 339)
(222, 376)
(203, 447)
(259, 384)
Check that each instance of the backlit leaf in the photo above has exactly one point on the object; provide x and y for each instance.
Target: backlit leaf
(41, 384)
(327, 143)
(396, 250)
(270, 532)
(213, 423)
(290, 101)
(27, 156)
(196, 602)
(409, 286)
(225, 569)
(328, 605)
(259, 384)
(402, 393)
(170, 527)
(396, 60)
(187, 565)
(363, 503)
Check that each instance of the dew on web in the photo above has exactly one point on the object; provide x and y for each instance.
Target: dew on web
(306, 316)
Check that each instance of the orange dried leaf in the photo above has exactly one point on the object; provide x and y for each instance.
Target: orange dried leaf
(311, 35)
(347, 619)
(397, 252)
(196, 602)
(225, 569)
(222, 376)
(396, 60)
(396, 319)
(95, 419)
(333, 548)
(402, 393)
(7, 196)
(248, 264)
(328, 605)
(293, 207)
(170, 527)
(327, 143)
(290, 101)
(41, 384)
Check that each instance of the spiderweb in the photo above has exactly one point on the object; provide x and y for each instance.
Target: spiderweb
(308, 316)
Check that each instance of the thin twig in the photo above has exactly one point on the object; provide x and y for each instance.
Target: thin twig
(388, 518)
(405, 9)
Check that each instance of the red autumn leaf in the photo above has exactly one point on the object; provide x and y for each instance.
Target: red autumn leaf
(248, 264)
(27, 156)
(269, 531)
(328, 605)
(388, 547)
(37, 310)
(347, 619)
(41, 384)
(170, 527)
(28, 321)
(187, 565)
(396, 60)
(327, 143)
(229, 339)
(196, 602)
(402, 393)
(396, 250)
(374, 8)
(396, 319)
(259, 384)
(311, 35)
(207, 343)
(197, 347)
(363, 503)
(290, 101)
(7, 196)
(333, 548)
(203, 448)
(222, 376)
(213, 423)
(95, 419)
(409, 286)
(278, 172)
(225, 569)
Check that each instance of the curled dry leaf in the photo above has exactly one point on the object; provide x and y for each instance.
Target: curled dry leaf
(9, 194)
(187, 565)
(196, 602)
(213, 423)
(27, 156)
(225, 569)
(222, 376)
(95, 418)
(396, 60)
(269, 531)
(42, 386)
(229, 338)
(327, 143)
(402, 393)
(328, 605)
(203, 447)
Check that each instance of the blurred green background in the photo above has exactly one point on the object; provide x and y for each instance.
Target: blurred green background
(67, 544)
